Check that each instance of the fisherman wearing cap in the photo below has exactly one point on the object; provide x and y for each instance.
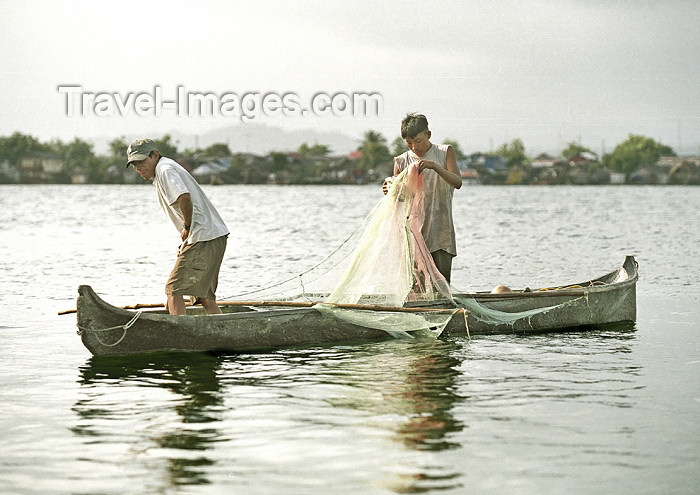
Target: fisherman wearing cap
(203, 232)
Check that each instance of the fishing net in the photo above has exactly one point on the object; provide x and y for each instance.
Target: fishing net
(383, 276)
(381, 267)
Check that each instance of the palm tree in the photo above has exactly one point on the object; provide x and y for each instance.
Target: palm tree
(374, 150)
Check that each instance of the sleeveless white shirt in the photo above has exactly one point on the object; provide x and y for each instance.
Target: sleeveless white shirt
(438, 227)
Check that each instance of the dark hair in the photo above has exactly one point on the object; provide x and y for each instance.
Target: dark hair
(412, 125)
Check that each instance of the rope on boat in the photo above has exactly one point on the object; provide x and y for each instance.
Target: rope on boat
(591, 283)
(124, 327)
(466, 326)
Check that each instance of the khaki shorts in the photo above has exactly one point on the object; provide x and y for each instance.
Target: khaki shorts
(196, 271)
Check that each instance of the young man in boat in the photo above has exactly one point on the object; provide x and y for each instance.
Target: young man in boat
(441, 176)
(203, 232)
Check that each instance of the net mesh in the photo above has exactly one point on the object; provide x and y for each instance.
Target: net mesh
(385, 263)
(381, 268)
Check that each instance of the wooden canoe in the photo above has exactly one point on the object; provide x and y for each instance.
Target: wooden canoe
(257, 326)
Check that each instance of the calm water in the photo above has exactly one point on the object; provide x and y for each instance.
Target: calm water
(608, 411)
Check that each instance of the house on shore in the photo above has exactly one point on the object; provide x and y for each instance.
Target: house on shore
(547, 170)
(42, 167)
(685, 171)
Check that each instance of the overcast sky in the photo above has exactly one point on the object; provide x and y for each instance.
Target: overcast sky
(484, 72)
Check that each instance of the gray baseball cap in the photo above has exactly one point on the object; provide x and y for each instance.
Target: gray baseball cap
(139, 150)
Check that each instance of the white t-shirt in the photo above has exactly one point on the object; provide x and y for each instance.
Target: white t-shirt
(172, 181)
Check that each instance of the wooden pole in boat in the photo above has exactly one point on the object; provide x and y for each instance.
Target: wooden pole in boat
(307, 304)
(297, 304)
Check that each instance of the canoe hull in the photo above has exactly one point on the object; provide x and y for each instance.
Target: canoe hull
(607, 299)
(105, 334)
(108, 330)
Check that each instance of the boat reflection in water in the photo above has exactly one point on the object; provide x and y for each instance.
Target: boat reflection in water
(198, 418)
(164, 402)
(421, 395)
(399, 415)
